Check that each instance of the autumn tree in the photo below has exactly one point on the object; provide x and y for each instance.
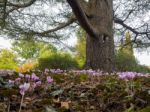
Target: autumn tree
(44, 19)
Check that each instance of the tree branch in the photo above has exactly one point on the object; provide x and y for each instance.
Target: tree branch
(82, 18)
(22, 5)
(61, 26)
(130, 12)
(121, 22)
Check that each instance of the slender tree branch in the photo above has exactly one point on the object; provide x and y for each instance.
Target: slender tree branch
(82, 18)
(61, 26)
(130, 12)
(4, 12)
(121, 22)
(22, 5)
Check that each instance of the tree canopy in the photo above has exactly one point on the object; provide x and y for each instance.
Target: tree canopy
(49, 18)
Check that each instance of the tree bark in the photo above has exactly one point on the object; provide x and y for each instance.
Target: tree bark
(98, 24)
(100, 52)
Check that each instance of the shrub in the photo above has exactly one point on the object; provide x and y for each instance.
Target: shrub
(125, 61)
(8, 60)
(57, 60)
(142, 68)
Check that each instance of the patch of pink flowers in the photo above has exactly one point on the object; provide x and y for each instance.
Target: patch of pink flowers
(127, 75)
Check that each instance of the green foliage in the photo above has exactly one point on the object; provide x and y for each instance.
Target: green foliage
(29, 49)
(125, 59)
(128, 45)
(26, 49)
(57, 60)
(7, 59)
(141, 68)
(81, 47)
(125, 62)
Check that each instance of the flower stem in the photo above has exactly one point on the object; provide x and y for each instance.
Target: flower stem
(21, 103)
(8, 105)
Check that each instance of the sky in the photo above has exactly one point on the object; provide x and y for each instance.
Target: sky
(142, 57)
(4, 43)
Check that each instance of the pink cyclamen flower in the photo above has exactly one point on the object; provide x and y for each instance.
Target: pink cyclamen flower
(49, 79)
(17, 79)
(11, 82)
(34, 77)
(38, 83)
(24, 87)
(21, 75)
(27, 76)
(46, 70)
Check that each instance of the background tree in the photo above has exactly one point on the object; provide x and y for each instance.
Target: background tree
(125, 59)
(127, 46)
(31, 49)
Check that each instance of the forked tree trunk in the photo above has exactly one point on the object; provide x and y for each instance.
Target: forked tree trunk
(100, 52)
(96, 17)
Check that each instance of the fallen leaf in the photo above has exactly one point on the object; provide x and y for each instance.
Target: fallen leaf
(65, 105)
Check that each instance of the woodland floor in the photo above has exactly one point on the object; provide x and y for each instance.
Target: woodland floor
(71, 92)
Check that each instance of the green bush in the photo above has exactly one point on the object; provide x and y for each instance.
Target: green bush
(8, 60)
(57, 60)
(142, 68)
(125, 61)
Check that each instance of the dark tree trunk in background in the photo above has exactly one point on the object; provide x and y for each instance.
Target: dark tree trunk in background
(100, 52)
(96, 17)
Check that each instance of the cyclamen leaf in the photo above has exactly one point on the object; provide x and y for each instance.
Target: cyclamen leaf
(57, 92)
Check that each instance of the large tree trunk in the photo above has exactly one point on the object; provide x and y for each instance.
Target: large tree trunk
(100, 51)
(97, 20)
